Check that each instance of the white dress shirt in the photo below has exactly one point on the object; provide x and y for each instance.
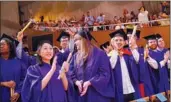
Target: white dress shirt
(126, 81)
(153, 63)
(163, 62)
(100, 19)
(143, 17)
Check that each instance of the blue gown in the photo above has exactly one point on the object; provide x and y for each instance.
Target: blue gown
(11, 69)
(27, 59)
(154, 73)
(62, 57)
(144, 74)
(31, 91)
(132, 70)
(163, 72)
(98, 71)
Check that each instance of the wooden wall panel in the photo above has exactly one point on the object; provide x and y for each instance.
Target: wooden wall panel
(102, 36)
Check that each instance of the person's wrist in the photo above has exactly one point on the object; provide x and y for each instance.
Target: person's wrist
(165, 60)
(89, 83)
(2, 83)
(76, 82)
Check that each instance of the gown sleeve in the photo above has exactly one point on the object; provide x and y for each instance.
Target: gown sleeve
(22, 77)
(31, 90)
(103, 75)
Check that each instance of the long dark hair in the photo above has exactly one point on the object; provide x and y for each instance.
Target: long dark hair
(12, 48)
(142, 7)
(39, 58)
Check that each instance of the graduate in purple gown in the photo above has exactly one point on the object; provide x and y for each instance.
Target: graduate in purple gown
(21, 54)
(163, 59)
(124, 69)
(12, 71)
(41, 83)
(91, 71)
(66, 47)
(151, 57)
(64, 43)
(143, 74)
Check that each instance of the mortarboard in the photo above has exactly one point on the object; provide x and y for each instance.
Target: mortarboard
(26, 49)
(15, 42)
(129, 31)
(150, 37)
(63, 34)
(126, 46)
(105, 45)
(158, 36)
(87, 35)
(37, 40)
(119, 32)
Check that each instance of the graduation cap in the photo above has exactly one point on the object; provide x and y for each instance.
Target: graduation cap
(119, 32)
(15, 42)
(129, 31)
(26, 49)
(37, 40)
(126, 46)
(63, 34)
(87, 35)
(105, 45)
(150, 37)
(158, 36)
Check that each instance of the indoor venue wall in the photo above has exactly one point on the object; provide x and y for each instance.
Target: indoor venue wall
(103, 36)
(57, 10)
(9, 17)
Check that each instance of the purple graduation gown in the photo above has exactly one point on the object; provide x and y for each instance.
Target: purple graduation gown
(163, 72)
(144, 74)
(97, 70)
(62, 57)
(132, 70)
(11, 69)
(27, 59)
(31, 91)
(154, 73)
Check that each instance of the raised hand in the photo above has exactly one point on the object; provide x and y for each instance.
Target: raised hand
(70, 32)
(54, 63)
(20, 36)
(166, 56)
(146, 53)
(132, 43)
(65, 65)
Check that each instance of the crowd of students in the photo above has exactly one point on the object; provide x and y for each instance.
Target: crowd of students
(120, 73)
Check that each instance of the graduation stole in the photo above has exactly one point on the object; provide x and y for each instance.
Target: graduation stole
(124, 51)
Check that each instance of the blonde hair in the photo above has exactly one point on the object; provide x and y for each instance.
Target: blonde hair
(85, 50)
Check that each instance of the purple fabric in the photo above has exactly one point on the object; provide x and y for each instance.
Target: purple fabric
(11, 69)
(53, 92)
(97, 70)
